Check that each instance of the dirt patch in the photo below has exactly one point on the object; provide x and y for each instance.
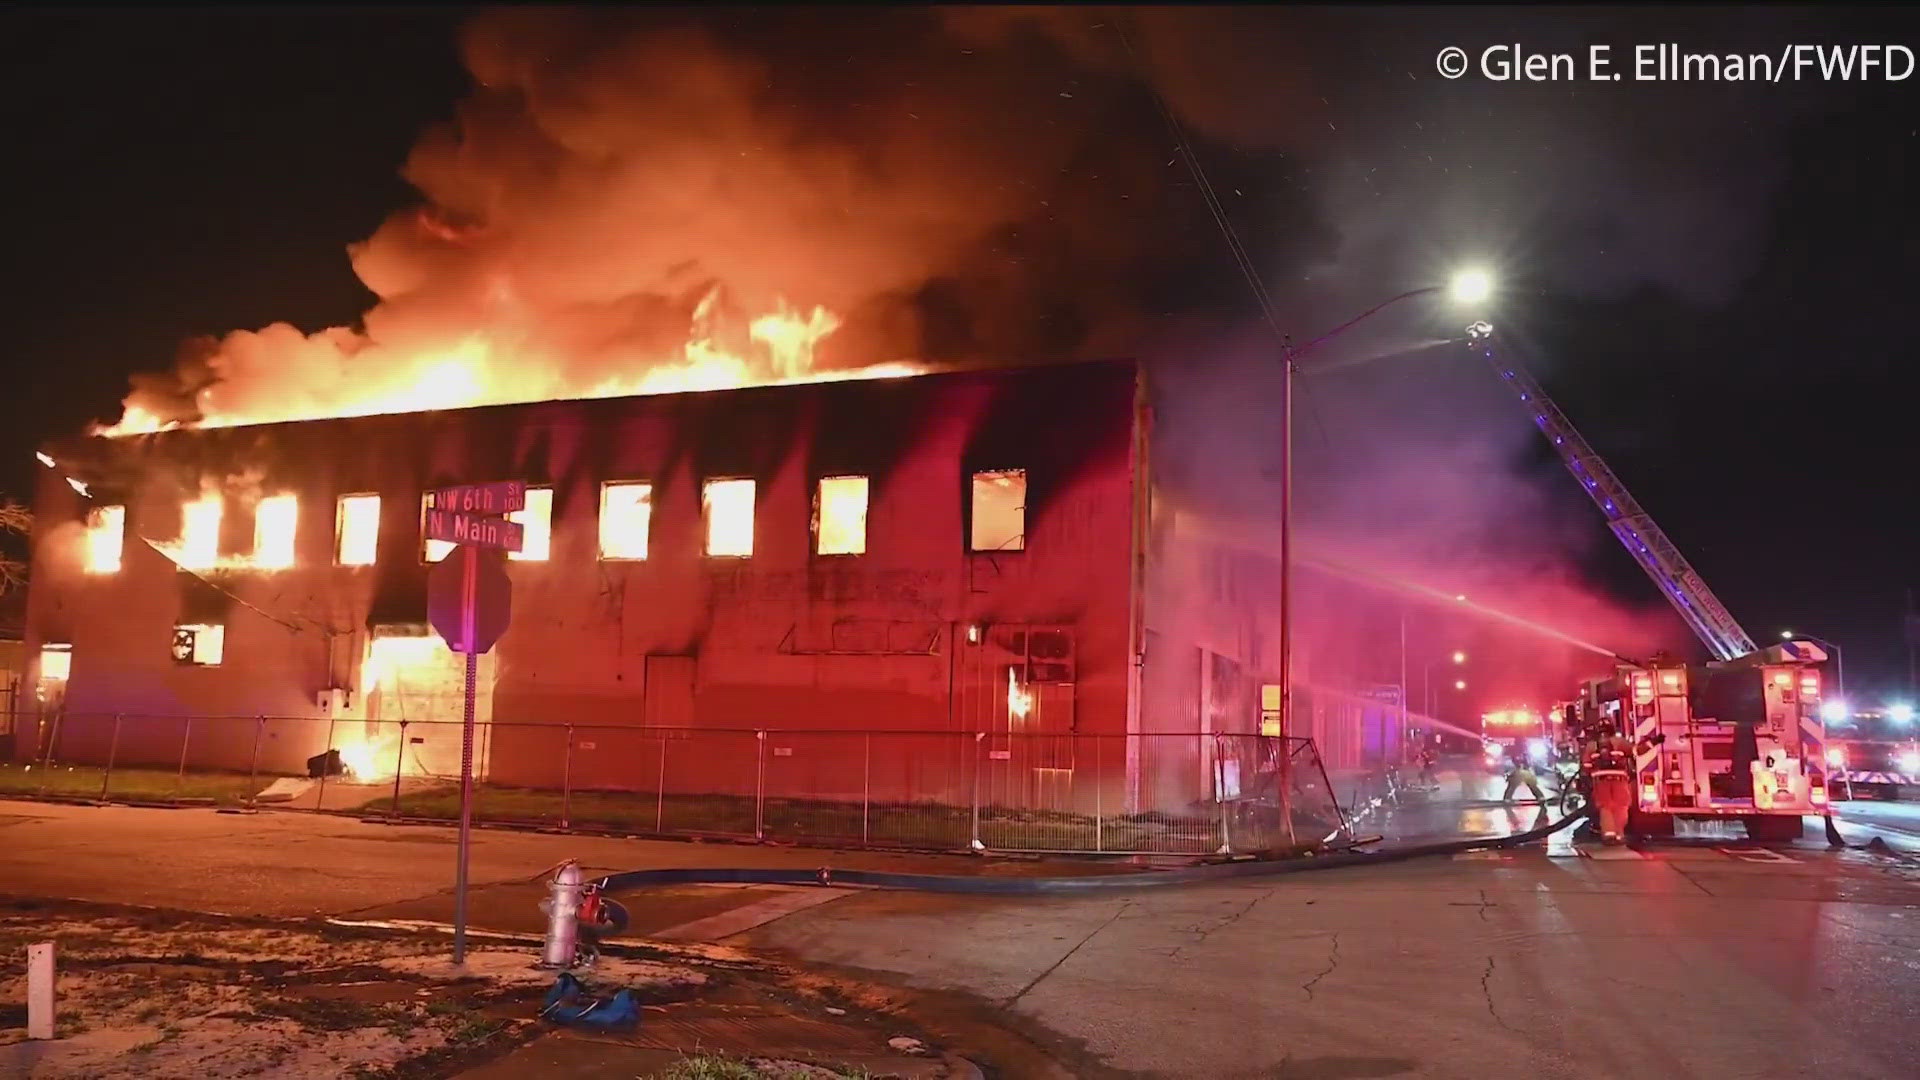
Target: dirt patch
(166, 995)
(174, 996)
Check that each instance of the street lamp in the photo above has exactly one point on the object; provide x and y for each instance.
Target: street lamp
(1470, 286)
(1459, 684)
(1426, 679)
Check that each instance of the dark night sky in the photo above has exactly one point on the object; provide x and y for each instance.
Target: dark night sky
(182, 174)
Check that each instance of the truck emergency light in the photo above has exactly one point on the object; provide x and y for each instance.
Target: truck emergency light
(1642, 689)
(1810, 684)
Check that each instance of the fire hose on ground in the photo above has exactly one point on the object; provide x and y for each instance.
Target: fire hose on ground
(1094, 883)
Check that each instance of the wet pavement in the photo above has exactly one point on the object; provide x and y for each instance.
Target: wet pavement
(1705, 957)
(1702, 959)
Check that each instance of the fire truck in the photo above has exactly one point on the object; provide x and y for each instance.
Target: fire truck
(1738, 740)
(1738, 737)
(1873, 755)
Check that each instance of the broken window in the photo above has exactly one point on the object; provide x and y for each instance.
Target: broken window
(728, 508)
(431, 550)
(199, 645)
(536, 521)
(273, 531)
(200, 533)
(357, 530)
(626, 516)
(56, 662)
(1000, 510)
(106, 534)
(840, 516)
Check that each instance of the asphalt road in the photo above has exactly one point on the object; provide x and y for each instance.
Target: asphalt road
(1896, 822)
(1703, 959)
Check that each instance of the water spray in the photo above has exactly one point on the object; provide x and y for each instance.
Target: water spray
(1453, 600)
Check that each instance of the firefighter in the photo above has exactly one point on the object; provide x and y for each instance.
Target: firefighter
(1609, 762)
(1523, 774)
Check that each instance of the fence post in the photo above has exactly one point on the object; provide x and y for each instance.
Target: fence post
(1099, 782)
(566, 782)
(113, 750)
(660, 791)
(399, 766)
(979, 740)
(186, 736)
(1219, 797)
(253, 766)
(760, 786)
(1326, 782)
(320, 798)
(52, 736)
(866, 791)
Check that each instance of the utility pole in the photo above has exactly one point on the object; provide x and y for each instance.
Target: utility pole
(1403, 683)
(1913, 644)
(1286, 540)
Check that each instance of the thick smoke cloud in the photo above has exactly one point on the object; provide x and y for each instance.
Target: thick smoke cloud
(999, 185)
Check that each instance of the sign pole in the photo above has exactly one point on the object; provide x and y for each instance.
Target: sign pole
(469, 557)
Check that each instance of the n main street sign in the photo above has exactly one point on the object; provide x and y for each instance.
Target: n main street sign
(488, 532)
(492, 500)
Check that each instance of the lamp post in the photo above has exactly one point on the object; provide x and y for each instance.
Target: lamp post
(1426, 679)
(1467, 287)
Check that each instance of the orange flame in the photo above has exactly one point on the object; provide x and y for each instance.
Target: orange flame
(361, 379)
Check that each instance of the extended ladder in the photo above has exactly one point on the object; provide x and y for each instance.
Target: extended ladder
(1648, 545)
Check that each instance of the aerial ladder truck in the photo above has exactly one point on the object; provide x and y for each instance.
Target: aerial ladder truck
(1738, 737)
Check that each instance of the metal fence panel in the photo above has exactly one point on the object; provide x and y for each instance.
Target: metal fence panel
(1192, 794)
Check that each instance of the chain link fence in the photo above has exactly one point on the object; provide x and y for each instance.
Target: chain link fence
(1171, 794)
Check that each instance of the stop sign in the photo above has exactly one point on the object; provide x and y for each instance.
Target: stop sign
(470, 572)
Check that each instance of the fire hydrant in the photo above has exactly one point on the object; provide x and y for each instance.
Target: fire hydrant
(563, 917)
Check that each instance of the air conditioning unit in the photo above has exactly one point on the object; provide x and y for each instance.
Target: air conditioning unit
(333, 701)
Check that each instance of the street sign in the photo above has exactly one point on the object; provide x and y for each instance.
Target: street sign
(469, 599)
(461, 528)
(499, 497)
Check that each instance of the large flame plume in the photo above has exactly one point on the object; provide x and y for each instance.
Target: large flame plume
(654, 201)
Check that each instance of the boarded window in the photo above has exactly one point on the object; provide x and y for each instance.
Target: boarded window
(106, 536)
(1270, 709)
(357, 530)
(1000, 510)
(728, 508)
(199, 645)
(626, 518)
(274, 524)
(840, 516)
(537, 522)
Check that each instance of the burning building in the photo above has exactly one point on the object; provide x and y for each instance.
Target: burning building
(975, 554)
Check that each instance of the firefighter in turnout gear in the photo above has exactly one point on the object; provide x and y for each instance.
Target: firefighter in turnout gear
(1609, 764)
